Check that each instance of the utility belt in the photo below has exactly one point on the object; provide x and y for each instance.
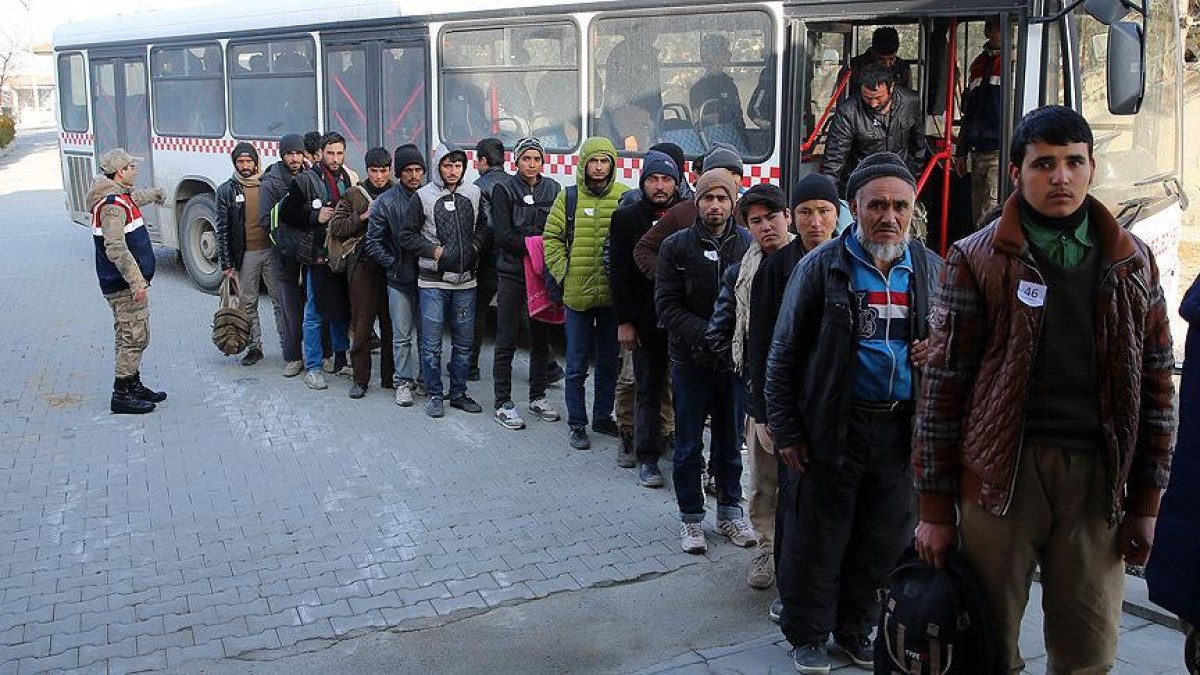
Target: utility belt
(884, 407)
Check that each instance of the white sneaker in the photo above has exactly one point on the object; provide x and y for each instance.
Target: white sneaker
(508, 416)
(292, 368)
(346, 371)
(693, 538)
(739, 532)
(404, 394)
(542, 408)
(313, 379)
(327, 365)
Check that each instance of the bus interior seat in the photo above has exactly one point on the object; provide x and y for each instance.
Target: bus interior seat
(678, 129)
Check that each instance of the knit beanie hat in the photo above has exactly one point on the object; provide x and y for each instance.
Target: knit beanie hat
(244, 149)
(291, 143)
(815, 186)
(405, 155)
(723, 157)
(716, 180)
(878, 165)
(528, 143)
(660, 163)
(765, 194)
(673, 151)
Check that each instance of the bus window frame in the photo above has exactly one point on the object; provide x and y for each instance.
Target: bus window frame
(455, 26)
(268, 39)
(774, 58)
(87, 91)
(222, 77)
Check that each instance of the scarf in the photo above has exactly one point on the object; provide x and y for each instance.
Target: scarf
(256, 238)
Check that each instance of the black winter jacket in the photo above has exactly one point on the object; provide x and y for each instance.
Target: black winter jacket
(632, 292)
(301, 208)
(519, 211)
(810, 367)
(231, 224)
(856, 132)
(766, 298)
(687, 282)
(723, 321)
(383, 238)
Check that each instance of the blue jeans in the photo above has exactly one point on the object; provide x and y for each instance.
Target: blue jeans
(338, 331)
(701, 391)
(434, 304)
(402, 306)
(592, 333)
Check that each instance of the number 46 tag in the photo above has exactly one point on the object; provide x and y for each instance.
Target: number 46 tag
(1031, 294)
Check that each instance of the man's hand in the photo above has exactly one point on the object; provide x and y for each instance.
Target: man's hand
(230, 273)
(325, 214)
(437, 253)
(933, 540)
(795, 457)
(139, 296)
(918, 353)
(628, 337)
(1135, 536)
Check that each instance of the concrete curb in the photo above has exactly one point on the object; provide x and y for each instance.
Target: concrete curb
(1137, 602)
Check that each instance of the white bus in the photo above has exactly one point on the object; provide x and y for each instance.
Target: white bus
(182, 87)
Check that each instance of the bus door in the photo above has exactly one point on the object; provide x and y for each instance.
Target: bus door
(121, 110)
(376, 93)
(816, 53)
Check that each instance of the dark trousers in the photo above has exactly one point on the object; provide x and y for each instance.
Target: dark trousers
(368, 302)
(841, 527)
(291, 307)
(650, 365)
(701, 392)
(511, 314)
(486, 288)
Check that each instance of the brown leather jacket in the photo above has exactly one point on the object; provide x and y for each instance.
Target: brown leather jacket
(981, 354)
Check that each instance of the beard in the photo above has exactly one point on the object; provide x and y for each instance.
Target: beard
(884, 252)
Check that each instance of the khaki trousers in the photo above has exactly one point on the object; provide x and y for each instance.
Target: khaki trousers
(131, 327)
(623, 411)
(1057, 521)
(985, 183)
(258, 266)
(764, 483)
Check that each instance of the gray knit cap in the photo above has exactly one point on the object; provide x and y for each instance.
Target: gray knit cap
(878, 165)
(528, 143)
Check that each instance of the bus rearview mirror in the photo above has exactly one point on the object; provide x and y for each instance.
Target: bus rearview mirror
(1106, 12)
(1126, 68)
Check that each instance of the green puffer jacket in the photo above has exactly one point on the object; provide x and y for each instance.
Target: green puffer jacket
(586, 284)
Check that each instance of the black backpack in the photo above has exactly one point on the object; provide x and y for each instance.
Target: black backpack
(936, 622)
(554, 287)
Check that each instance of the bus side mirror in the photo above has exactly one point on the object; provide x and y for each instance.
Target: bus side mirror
(1126, 68)
(1106, 12)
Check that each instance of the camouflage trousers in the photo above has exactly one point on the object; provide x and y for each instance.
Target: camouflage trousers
(131, 325)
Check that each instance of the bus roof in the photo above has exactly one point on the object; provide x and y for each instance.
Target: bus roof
(240, 17)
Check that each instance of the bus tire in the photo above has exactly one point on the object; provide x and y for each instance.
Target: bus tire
(198, 242)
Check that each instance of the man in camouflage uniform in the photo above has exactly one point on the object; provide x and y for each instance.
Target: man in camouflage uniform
(124, 267)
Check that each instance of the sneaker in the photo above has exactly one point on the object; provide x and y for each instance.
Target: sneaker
(292, 368)
(693, 538)
(579, 439)
(434, 408)
(404, 395)
(313, 379)
(649, 475)
(762, 571)
(607, 427)
(473, 375)
(340, 362)
(344, 371)
(555, 374)
(710, 484)
(253, 356)
(626, 457)
(420, 389)
(327, 365)
(739, 532)
(357, 390)
(857, 646)
(542, 408)
(811, 659)
(467, 404)
(776, 610)
(508, 416)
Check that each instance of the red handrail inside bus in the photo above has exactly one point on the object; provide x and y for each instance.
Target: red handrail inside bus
(494, 108)
(337, 81)
(820, 125)
(407, 106)
(945, 154)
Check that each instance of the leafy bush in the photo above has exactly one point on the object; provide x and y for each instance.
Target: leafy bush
(8, 130)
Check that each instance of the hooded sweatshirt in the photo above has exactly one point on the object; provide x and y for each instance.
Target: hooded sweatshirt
(580, 262)
(452, 219)
(124, 254)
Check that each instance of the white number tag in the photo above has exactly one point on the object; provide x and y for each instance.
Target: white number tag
(528, 199)
(449, 205)
(239, 198)
(589, 211)
(317, 204)
(1033, 295)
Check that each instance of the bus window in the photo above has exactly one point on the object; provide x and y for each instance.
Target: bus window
(520, 80)
(346, 99)
(72, 93)
(272, 88)
(404, 96)
(189, 94)
(1130, 148)
(693, 80)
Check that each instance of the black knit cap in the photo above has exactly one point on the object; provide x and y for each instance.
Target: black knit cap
(815, 186)
(878, 165)
(291, 143)
(764, 194)
(408, 154)
(244, 149)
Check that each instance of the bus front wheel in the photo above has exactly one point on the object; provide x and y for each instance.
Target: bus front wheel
(198, 242)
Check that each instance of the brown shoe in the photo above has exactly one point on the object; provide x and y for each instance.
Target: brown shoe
(762, 571)
(626, 457)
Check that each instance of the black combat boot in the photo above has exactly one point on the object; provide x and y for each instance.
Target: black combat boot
(143, 392)
(124, 401)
